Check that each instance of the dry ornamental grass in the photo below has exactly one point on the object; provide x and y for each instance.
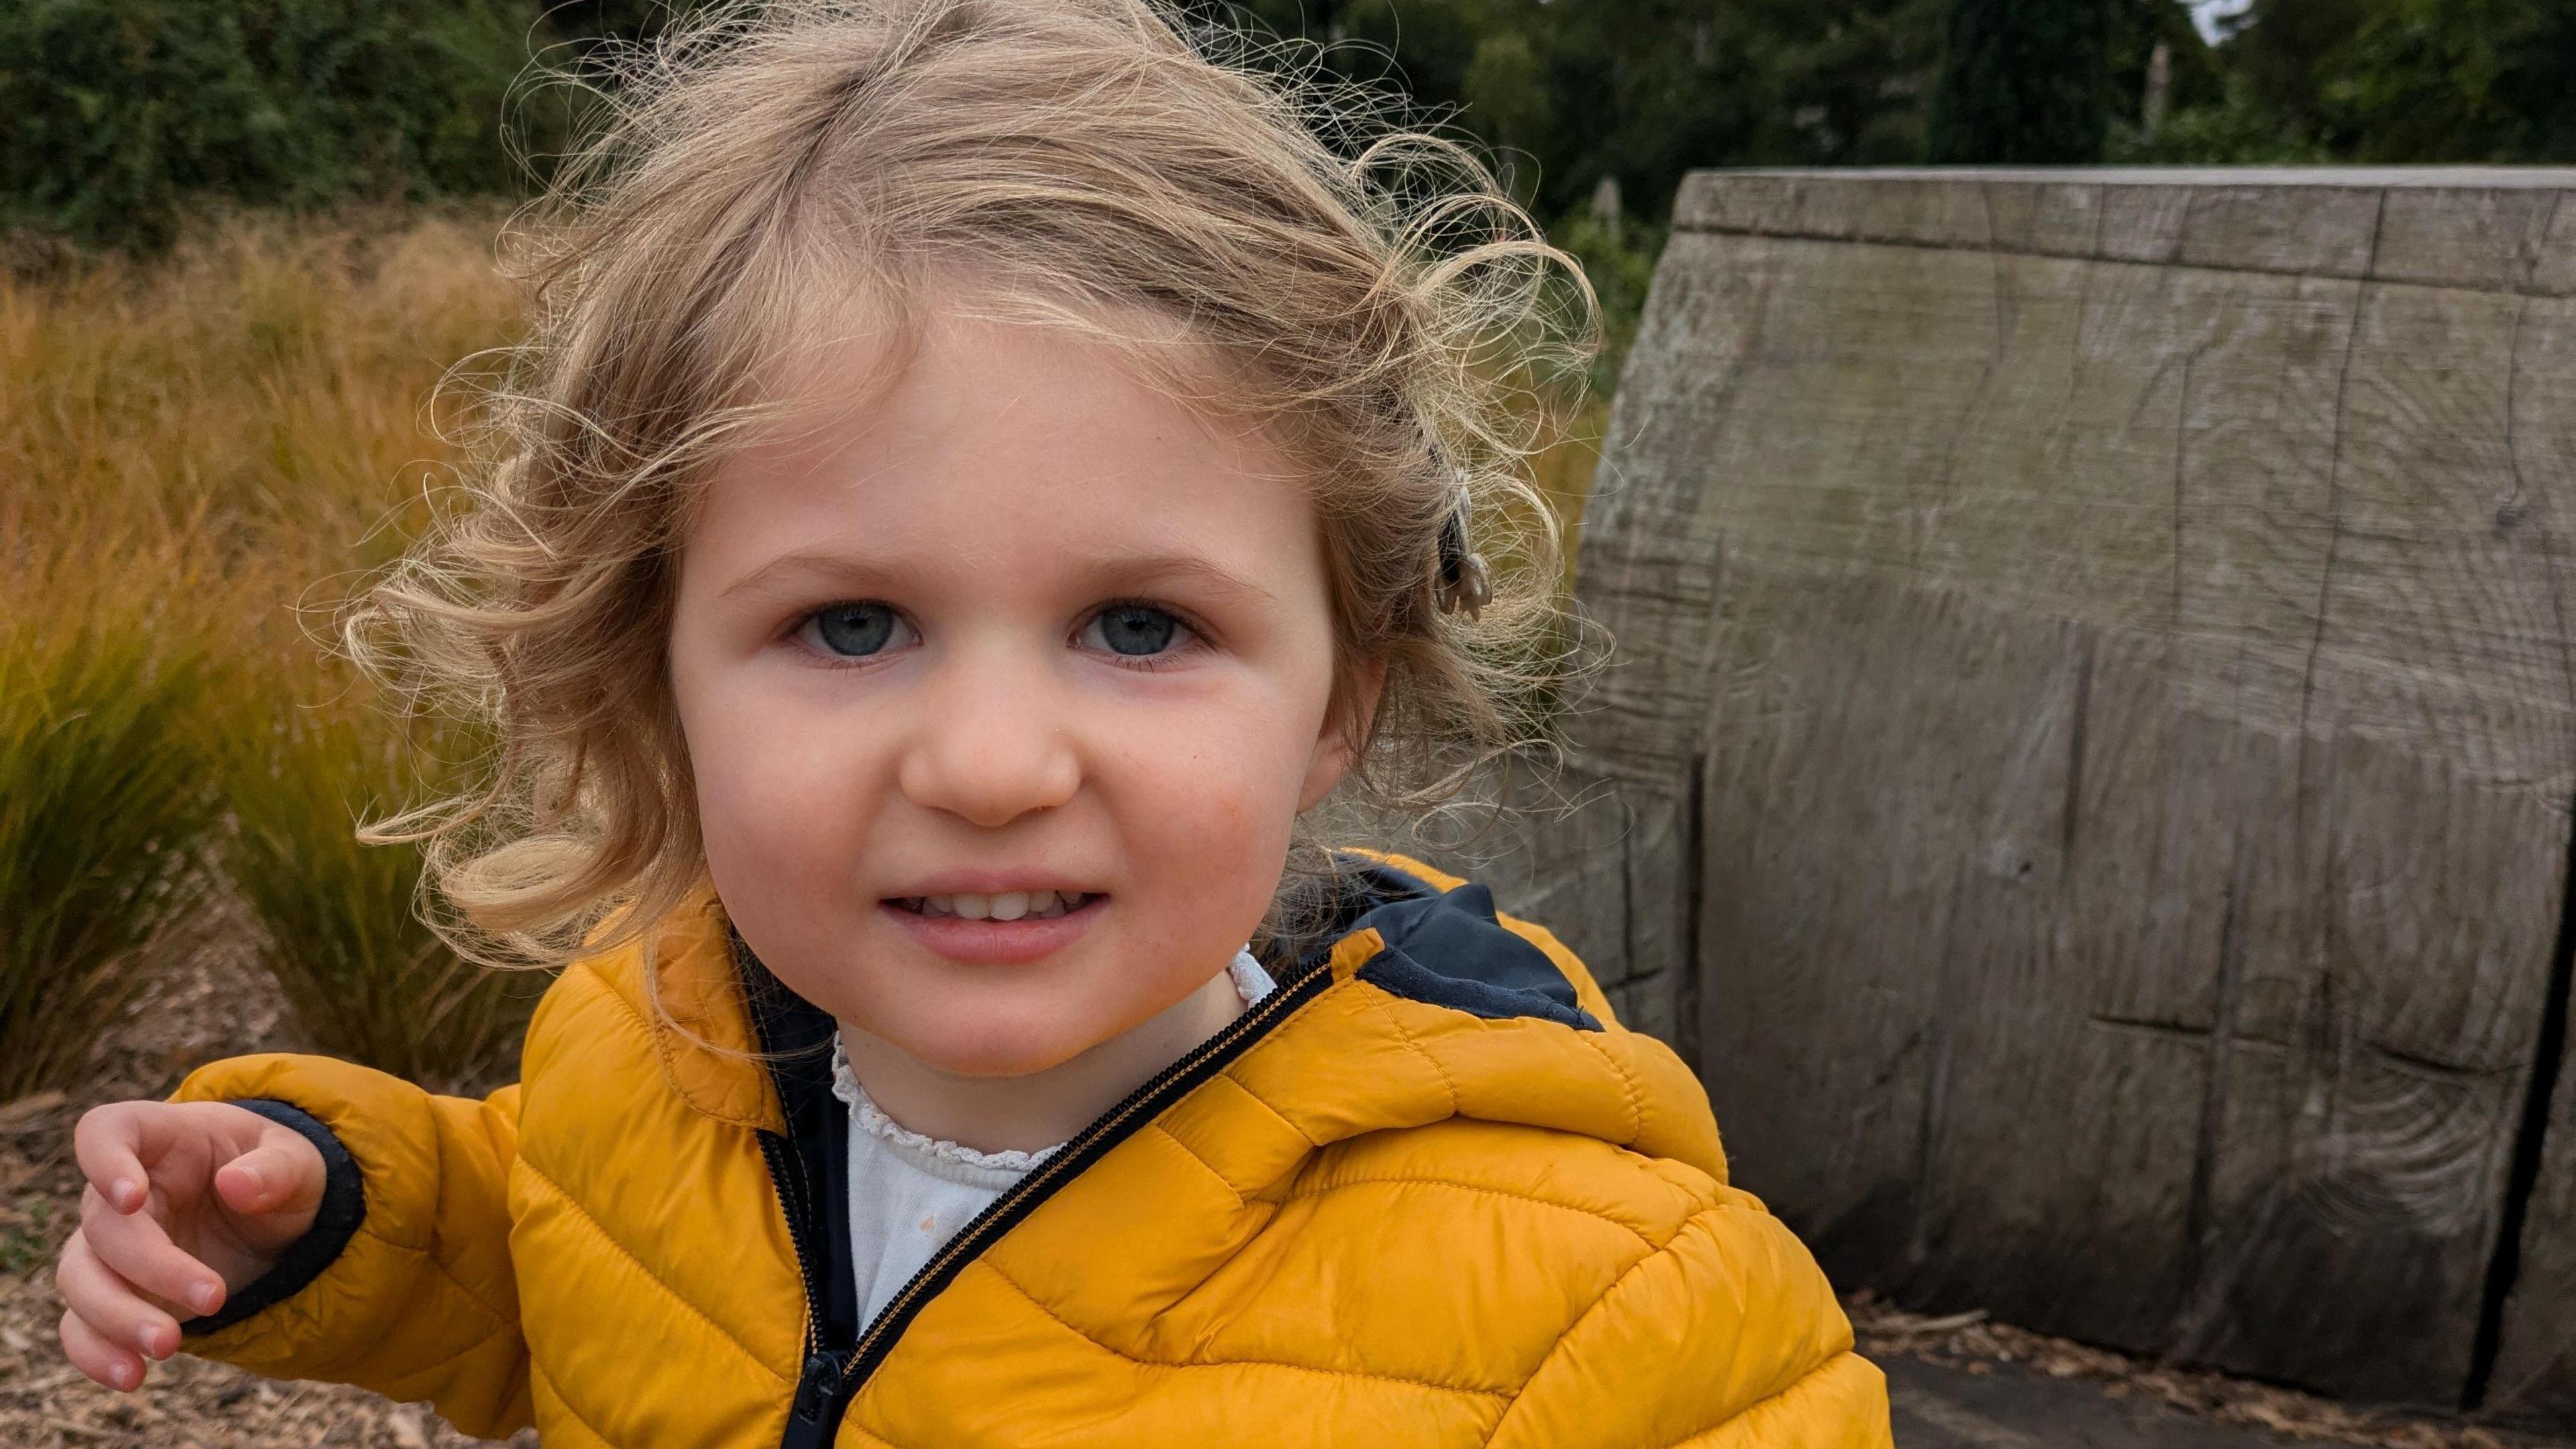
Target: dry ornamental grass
(196, 456)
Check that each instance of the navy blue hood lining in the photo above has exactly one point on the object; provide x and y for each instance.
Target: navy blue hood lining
(1446, 948)
(1449, 949)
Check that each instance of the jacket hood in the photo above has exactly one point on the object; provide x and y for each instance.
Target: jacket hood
(1422, 1003)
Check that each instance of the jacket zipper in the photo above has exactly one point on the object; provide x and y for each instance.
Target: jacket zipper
(811, 1413)
(833, 1375)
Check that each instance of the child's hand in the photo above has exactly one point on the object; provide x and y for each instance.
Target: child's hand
(187, 1202)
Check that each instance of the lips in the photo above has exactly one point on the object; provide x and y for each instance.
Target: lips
(1000, 928)
(1037, 905)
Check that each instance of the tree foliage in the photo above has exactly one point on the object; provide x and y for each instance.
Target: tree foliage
(2399, 81)
(124, 111)
(1641, 90)
(2023, 82)
(121, 111)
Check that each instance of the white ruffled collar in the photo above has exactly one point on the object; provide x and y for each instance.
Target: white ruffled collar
(955, 1159)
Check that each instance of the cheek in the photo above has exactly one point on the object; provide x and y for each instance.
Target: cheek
(770, 786)
(1208, 815)
(1230, 819)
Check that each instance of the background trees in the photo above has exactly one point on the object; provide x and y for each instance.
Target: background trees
(120, 113)
(2415, 80)
(2023, 82)
(123, 111)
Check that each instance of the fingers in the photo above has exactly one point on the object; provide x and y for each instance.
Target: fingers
(283, 1175)
(138, 1249)
(109, 1143)
(233, 1186)
(108, 1320)
(90, 1352)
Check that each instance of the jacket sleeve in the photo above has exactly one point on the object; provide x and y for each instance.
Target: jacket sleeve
(404, 1284)
(1727, 1337)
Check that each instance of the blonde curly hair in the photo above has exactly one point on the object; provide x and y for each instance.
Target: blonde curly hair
(1368, 292)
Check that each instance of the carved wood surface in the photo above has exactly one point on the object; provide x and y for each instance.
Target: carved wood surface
(2097, 647)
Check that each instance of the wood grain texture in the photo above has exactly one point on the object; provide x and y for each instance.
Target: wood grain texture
(2105, 644)
(2534, 1376)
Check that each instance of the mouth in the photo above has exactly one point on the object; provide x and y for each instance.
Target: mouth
(1044, 905)
(996, 928)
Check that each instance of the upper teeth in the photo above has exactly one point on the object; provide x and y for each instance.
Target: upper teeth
(1006, 906)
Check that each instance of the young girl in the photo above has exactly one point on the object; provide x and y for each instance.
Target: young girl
(983, 472)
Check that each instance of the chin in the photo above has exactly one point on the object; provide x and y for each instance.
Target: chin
(995, 1054)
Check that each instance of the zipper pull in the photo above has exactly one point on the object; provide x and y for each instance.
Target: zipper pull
(816, 1410)
(818, 1386)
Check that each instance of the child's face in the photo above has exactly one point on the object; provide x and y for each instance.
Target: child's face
(1019, 624)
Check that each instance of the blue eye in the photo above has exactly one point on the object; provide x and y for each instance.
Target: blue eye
(1134, 630)
(853, 631)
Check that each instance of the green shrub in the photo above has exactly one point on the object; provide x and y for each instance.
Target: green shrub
(2236, 131)
(123, 112)
(364, 977)
(2023, 83)
(105, 809)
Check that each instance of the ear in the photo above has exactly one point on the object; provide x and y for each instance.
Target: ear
(1337, 744)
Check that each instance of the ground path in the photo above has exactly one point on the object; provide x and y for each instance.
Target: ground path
(1961, 1382)
(1939, 1406)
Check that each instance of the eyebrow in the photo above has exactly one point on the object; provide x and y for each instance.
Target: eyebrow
(790, 566)
(1111, 572)
(1145, 569)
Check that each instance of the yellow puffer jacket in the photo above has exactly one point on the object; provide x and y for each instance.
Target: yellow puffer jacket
(1425, 1193)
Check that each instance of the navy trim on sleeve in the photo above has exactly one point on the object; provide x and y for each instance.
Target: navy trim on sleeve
(344, 1207)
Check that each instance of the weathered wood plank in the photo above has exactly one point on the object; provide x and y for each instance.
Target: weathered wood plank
(2534, 1375)
(2135, 728)
(2491, 229)
(2433, 776)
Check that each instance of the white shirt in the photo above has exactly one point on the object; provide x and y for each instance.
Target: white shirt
(910, 1194)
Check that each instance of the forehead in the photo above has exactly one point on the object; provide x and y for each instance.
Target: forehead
(1001, 444)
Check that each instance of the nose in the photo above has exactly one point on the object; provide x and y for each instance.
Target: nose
(991, 743)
